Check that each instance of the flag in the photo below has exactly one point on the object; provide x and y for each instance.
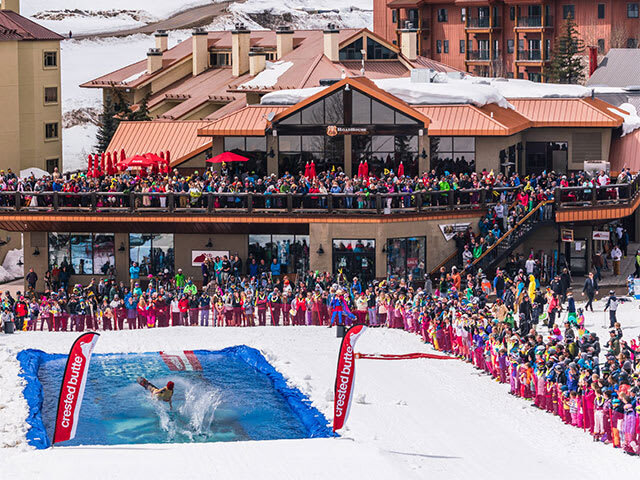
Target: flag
(72, 388)
(345, 376)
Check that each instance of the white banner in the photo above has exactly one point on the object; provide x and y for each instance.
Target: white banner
(199, 256)
(449, 230)
(601, 236)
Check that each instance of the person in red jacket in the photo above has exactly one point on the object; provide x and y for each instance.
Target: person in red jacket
(21, 311)
(183, 307)
(301, 308)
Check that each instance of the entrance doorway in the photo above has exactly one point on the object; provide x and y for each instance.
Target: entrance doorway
(576, 254)
(355, 258)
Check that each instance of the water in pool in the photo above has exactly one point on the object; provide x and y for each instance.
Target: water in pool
(227, 400)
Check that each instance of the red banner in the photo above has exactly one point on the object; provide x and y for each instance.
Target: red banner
(345, 376)
(72, 388)
(181, 361)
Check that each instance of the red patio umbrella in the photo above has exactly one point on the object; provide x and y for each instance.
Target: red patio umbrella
(108, 165)
(312, 169)
(401, 170)
(162, 155)
(90, 166)
(102, 159)
(227, 157)
(365, 169)
(137, 161)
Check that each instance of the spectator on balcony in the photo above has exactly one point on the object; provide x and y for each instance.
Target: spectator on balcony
(31, 278)
(134, 274)
(275, 268)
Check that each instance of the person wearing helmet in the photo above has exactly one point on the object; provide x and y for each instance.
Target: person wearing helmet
(165, 393)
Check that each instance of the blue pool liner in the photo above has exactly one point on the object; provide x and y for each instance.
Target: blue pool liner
(30, 360)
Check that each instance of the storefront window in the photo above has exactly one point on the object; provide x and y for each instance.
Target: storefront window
(254, 148)
(292, 251)
(298, 150)
(154, 253)
(87, 254)
(384, 153)
(406, 256)
(355, 258)
(453, 154)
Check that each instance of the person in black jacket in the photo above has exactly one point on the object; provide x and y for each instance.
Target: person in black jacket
(591, 289)
(31, 278)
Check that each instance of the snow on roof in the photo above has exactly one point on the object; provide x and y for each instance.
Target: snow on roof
(445, 90)
(630, 115)
(37, 172)
(269, 76)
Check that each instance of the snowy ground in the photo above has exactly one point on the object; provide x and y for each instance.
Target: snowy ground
(10, 270)
(411, 419)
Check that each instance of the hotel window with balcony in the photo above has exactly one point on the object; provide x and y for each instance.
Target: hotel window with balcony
(51, 95)
(443, 15)
(51, 131)
(632, 10)
(153, 252)
(85, 253)
(568, 11)
(394, 16)
(601, 10)
(50, 59)
(510, 45)
(413, 17)
(512, 14)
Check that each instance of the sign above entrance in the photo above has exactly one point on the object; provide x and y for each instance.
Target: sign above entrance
(199, 256)
(601, 235)
(449, 230)
(333, 130)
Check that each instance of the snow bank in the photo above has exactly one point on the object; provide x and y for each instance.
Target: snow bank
(631, 119)
(516, 88)
(37, 172)
(10, 270)
(269, 76)
(12, 403)
(286, 6)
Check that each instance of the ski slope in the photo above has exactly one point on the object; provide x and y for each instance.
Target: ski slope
(411, 419)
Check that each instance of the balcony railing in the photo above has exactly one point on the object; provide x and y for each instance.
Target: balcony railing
(531, 55)
(483, 22)
(482, 55)
(535, 21)
(314, 203)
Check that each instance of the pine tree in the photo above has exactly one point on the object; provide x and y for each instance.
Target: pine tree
(108, 125)
(566, 60)
(142, 113)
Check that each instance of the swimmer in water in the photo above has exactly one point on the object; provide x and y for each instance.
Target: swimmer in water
(165, 393)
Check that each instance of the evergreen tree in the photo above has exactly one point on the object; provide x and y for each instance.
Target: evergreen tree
(566, 59)
(107, 127)
(142, 113)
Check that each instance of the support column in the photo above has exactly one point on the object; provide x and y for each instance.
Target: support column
(423, 163)
(347, 156)
(272, 162)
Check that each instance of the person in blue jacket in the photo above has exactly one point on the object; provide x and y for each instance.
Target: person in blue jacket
(134, 273)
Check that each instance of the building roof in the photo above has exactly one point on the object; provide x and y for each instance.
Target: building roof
(567, 112)
(14, 26)
(625, 152)
(250, 120)
(179, 138)
(619, 68)
(460, 120)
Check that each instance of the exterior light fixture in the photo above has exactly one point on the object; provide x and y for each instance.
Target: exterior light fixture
(36, 252)
(121, 248)
(424, 153)
(271, 153)
(209, 243)
(320, 250)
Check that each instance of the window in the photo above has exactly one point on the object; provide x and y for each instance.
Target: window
(219, 59)
(50, 59)
(253, 148)
(601, 10)
(568, 11)
(85, 253)
(153, 252)
(462, 44)
(632, 10)
(463, 15)
(535, 77)
(296, 151)
(632, 43)
(438, 46)
(52, 164)
(376, 51)
(292, 251)
(353, 51)
(601, 45)
(446, 46)
(453, 154)
(443, 15)
(406, 256)
(51, 95)
(394, 16)
(385, 152)
(510, 45)
(355, 258)
(512, 14)
(51, 131)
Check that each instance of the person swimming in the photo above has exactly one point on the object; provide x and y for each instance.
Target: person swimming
(165, 393)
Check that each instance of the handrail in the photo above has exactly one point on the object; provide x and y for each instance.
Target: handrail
(506, 235)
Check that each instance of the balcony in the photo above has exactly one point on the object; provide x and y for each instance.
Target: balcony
(534, 56)
(535, 22)
(483, 23)
(482, 55)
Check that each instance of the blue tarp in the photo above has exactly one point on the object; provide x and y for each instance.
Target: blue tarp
(30, 360)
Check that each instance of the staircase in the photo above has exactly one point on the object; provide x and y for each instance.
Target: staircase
(541, 215)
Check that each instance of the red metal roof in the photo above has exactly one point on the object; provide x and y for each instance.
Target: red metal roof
(251, 121)
(14, 26)
(180, 138)
(567, 112)
(460, 120)
(625, 152)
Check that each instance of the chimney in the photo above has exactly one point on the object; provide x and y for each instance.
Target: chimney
(284, 41)
(240, 50)
(257, 62)
(154, 60)
(409, 41)
(331, 42)
(13, 5)
(162, 40)
(200, 57)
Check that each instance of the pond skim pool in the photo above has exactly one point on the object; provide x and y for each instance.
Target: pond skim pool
(227, 395)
